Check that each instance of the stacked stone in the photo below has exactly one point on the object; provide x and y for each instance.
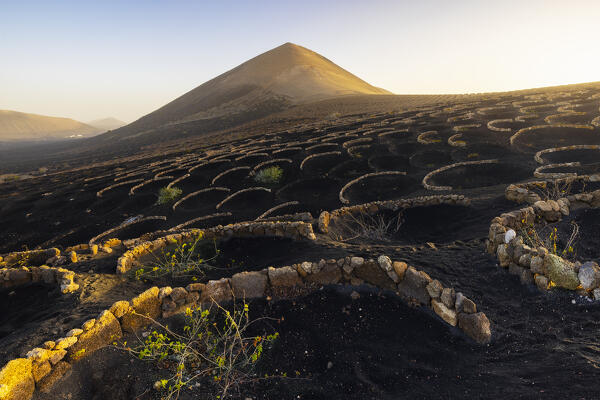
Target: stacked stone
(537, 265)
(326, 218)
(31, 257)
(536, 127)
(539, 171)
(427, 177)
(539, 154)
(294, 230)
(424, 138)
(463, 128)
(525, 192)
(491, 125)
(44, 365)
(63, 278)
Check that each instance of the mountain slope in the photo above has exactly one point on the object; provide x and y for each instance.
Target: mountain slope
(275, 80)
(16, 126)
(107, 124)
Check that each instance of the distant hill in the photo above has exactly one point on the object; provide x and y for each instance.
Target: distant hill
(107, 124)
(271, 82)
(18, 126)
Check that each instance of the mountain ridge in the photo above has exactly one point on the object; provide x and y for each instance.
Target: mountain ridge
(20, 126)
(270, 82)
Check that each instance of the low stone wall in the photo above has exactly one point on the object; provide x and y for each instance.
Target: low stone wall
(277, 207)
(230, 170)
(539, 171)
(491, 125)
(101, 192)
(189, 196)
(125, 225)
(148, 182)
(455, 141)
(555, 118)
(537, 265)
(28, 258)
(360, 178)
(326, 154)
(45, 365)
(14, 277)
(538, 156)
(429, 137)
(326, 217)
(239, 192)
(536, 127)
(267, 163)
(526, 192)
(292, 230)
(427, 177)
(464, 128)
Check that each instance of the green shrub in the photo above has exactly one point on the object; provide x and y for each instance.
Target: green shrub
(168, 195)
(190, 259)
(269, 176)
(213, 348)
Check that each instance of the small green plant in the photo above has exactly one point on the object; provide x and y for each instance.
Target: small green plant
(269, 175)
(191, 259)
(168, 195)
(213, 347)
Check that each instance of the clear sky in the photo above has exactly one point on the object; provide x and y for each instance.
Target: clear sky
(94, 59)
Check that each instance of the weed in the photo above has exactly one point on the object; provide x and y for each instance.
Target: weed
(548, 238)
(168, 195)
(187, 259)
(365, 226)
(269, 176)
(213, 346)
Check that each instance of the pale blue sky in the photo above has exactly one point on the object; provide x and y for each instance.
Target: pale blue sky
(88, 60)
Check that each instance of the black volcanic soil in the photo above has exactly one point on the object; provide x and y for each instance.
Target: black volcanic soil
(543, 345)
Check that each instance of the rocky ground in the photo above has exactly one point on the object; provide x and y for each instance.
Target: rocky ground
(374, 345)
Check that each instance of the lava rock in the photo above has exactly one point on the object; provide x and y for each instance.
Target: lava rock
(477, 326)
(414, 286)
(561, 272)
(589, 275)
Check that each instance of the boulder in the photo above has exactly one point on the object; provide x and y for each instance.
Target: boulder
(324, 219)
(218, 291)
(448, 297)
(328, 274)
(526, 276)
(249, 284)
(541, 282)
(434, 288)
(120, 308)
(589, 275)
(16, 380)
(105, 331)
(386, 265)
(178, 295)
(54, 376)
(414, 286)
(476, 325)
(400, 269)
(65, 343)
(146, 305)
(561, 272)
(503, 256)
(537, 265)
(445, 313)
(40, 370)
(370, 272)
(284, 277)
